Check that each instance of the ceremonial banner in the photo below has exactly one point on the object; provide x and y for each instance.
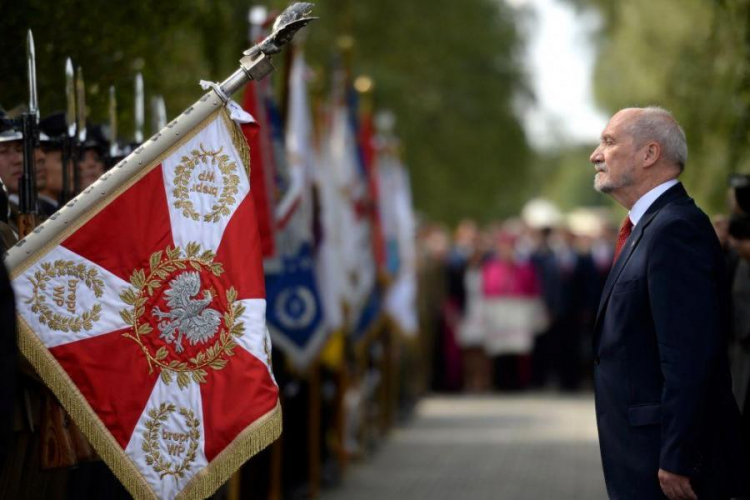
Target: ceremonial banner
(295, 315)
(398, 223)
(146, 314)
(346, 223)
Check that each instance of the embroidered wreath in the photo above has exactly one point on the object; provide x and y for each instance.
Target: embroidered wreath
(150, 446)
(59, 322)
(215, 356)
(229, 177)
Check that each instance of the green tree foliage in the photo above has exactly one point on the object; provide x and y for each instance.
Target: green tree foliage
(448, 69)
(692, 57)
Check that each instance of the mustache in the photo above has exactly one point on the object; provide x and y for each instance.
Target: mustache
(601, 167)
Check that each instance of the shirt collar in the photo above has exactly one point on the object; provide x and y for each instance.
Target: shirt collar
(645, 201)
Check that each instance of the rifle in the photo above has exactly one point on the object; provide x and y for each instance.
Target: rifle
(27, 199)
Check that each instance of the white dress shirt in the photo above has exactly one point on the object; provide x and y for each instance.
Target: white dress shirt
(645, 201)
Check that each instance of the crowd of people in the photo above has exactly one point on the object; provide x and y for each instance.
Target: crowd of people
(512, 303)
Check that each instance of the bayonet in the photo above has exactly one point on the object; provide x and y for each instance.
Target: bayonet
(80, 124)
(31, 58)
(70, 137)
(139, 111)
(81, 106)
(114, 150)
(70, 99)
(30, 124)
(158, 114)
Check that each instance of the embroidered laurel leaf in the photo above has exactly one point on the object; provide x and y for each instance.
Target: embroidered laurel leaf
(207, 256)
(238, 330)
(199, 376)
(166, 377)
(192, 249)
(195, 265)
(179, 265)
(218, 363)
(128, 296)
(126, 316)
(239, 310)
(173, 253)
(173, 363)
(138, 278)
(183, 380)
(217, 269)
(161, 353)
(231, 294)
(155, 259)
(145, 329)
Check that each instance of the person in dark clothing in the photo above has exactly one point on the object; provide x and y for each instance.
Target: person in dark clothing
(668, 423)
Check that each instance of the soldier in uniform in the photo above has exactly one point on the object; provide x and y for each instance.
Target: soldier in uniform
(91, 164)
(53, 126)
(11, 168)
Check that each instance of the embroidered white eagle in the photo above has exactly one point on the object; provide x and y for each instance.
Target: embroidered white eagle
(187, 317)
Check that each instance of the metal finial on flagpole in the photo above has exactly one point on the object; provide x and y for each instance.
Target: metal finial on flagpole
(256, 62)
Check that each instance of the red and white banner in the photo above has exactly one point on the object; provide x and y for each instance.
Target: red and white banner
(147, 320)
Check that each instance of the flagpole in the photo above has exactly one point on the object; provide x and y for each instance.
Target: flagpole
(254, 65)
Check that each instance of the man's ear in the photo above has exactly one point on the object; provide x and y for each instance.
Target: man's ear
(651, 154)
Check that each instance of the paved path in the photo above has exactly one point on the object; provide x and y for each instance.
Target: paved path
(538, 446)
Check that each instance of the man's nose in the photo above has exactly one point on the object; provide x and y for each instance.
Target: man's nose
(596, 156)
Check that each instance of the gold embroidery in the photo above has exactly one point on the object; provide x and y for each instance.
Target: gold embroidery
(208, 160)
(214, 357)
(65, 295)
(176, 447)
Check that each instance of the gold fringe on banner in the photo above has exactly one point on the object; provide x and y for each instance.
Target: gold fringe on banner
(238, 141)
(248, 443)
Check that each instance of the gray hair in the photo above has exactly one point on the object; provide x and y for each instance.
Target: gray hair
(657, 124)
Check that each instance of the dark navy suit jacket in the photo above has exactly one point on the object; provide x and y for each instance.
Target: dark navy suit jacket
(662, 384)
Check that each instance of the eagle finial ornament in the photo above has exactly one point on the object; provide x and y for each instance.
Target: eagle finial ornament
(187, 317)
(294, 17)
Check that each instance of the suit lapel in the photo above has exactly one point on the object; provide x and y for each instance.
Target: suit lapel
(674, 193)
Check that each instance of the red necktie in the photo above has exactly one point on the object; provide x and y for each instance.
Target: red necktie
(625, 230)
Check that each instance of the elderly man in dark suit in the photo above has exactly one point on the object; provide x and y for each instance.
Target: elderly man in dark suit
(668, 424)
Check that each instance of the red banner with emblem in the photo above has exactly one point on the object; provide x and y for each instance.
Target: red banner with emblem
(146, 317)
